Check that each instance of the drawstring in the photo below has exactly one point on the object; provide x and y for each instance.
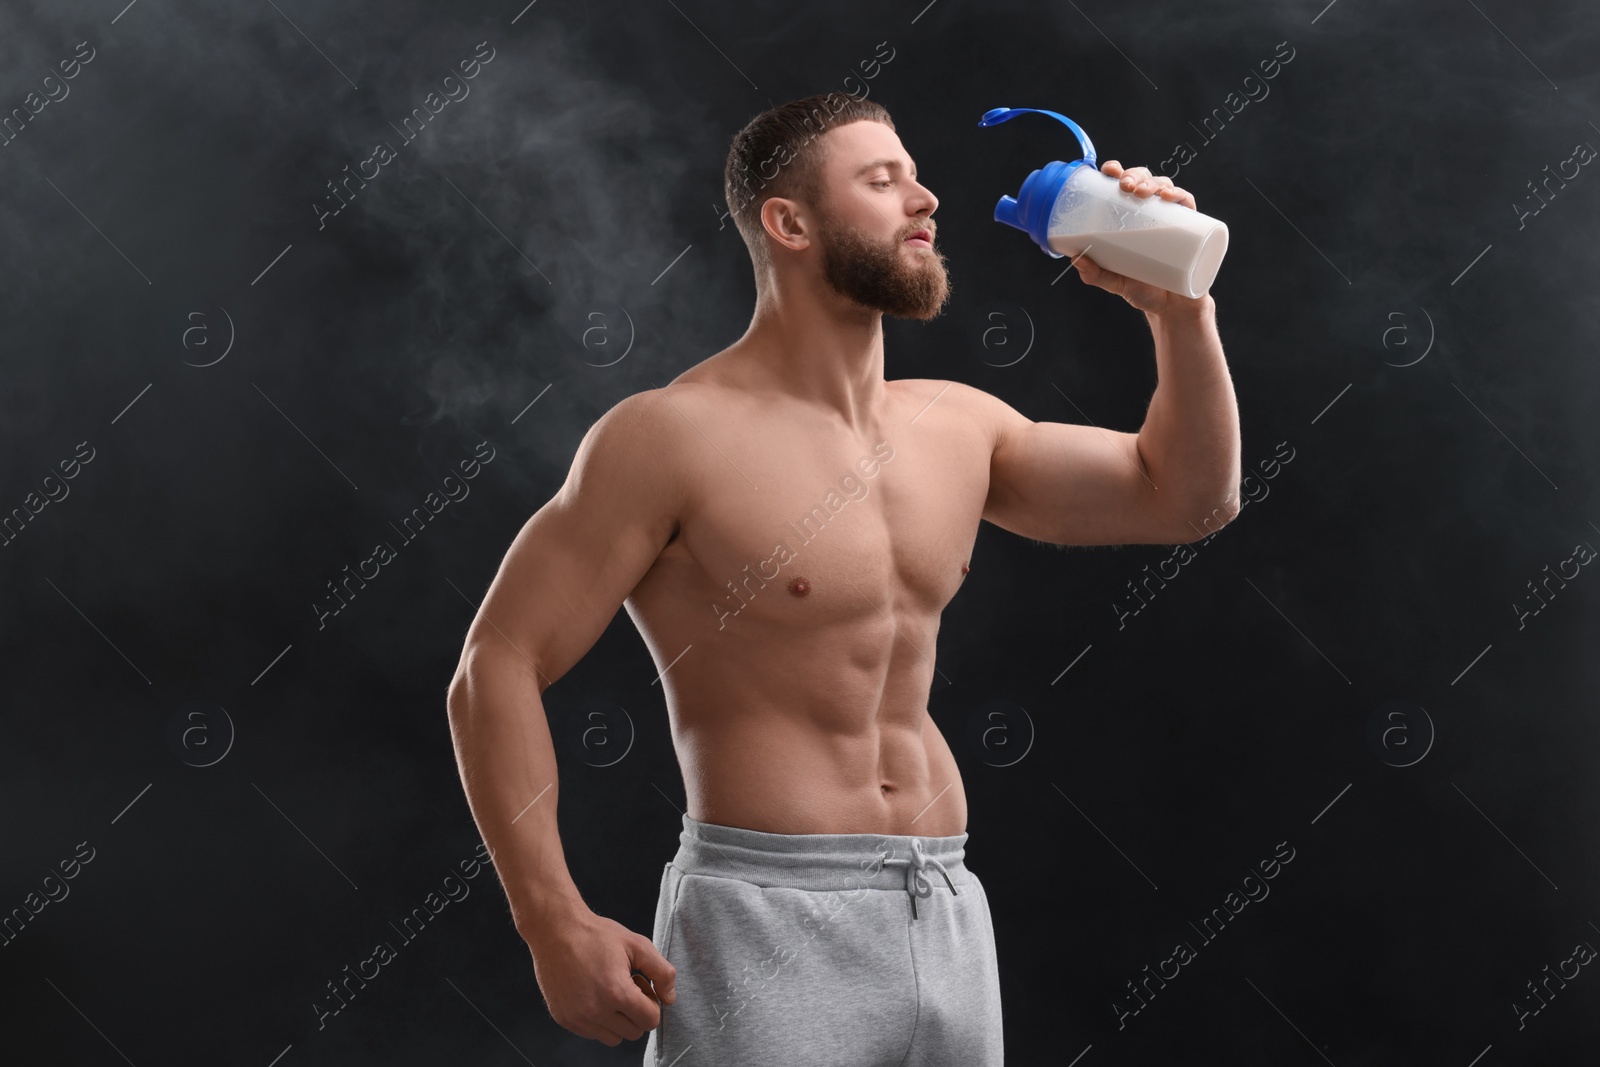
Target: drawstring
(917, 883)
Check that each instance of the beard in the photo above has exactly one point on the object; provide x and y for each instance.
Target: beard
(881, 275)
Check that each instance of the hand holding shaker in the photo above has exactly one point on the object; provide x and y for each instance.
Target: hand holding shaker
(1072, 208)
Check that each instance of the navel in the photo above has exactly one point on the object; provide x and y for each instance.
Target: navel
(799, 586)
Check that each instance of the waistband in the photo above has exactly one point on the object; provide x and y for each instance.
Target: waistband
(823, 862)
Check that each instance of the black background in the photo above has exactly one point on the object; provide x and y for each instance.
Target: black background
(1423, 346)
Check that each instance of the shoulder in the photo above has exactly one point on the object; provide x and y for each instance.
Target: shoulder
(972, 405)
(657, 420)
(635, 418)
(635, 447)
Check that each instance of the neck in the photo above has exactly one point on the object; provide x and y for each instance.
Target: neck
(813, 344)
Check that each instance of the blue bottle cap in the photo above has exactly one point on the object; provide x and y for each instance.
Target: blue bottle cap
(1030, 210)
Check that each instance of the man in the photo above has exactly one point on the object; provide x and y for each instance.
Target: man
(784, 527)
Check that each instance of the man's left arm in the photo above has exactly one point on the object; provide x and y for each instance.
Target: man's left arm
(1177, 479)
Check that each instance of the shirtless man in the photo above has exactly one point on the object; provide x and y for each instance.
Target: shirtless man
(785, 527)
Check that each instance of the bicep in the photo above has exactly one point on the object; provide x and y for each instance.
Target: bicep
(578, 557)
(1070, 484)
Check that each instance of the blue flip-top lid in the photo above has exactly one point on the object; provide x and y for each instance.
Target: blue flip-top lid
(1030, 210)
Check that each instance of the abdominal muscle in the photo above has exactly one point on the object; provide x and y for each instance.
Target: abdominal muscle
(775, 772)
(825, 732)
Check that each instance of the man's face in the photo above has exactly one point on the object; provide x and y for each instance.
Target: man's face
(871, 207)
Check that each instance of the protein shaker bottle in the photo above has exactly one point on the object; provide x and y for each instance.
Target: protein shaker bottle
(1073, 208)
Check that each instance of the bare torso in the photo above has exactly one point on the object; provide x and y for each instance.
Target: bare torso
(807, 712)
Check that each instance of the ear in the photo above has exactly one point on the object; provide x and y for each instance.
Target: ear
(783, 221)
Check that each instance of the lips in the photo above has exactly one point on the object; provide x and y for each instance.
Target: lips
(921, 238)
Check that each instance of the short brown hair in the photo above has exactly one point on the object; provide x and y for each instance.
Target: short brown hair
(776, 154)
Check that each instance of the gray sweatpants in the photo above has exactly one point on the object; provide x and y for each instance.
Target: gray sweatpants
(825, 950)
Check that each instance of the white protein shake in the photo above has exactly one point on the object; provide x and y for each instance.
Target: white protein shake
(1070, 208)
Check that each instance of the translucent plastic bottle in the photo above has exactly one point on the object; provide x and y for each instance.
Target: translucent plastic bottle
(1073, 208)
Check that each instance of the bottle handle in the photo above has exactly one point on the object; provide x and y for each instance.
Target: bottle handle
(995, 116)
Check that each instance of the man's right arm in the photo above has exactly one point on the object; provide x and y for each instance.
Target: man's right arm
(560, 584)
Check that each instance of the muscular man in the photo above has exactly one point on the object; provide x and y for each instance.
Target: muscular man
(784, 527)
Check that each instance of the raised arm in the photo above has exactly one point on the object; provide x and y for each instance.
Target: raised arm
(1177, 479)
(560, 584)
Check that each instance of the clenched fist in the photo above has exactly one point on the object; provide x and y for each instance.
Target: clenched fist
(584, 965)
